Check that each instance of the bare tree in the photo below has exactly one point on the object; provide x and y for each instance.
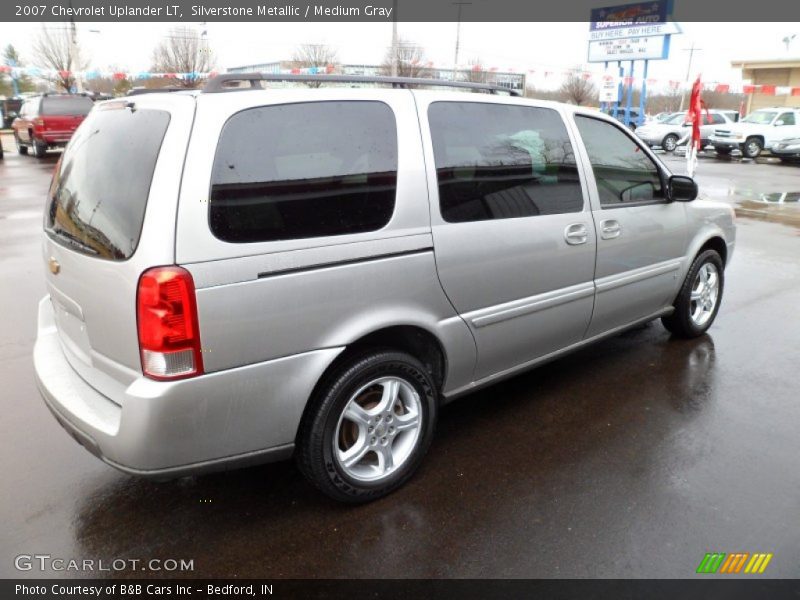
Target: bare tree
(409, 58)
(317, 56)
(578, 90)
(53, 49)
(183, 51)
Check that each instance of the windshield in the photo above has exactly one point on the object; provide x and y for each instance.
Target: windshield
(100, 186)
(760, 117)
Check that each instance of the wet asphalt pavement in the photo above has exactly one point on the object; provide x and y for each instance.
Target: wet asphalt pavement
(632, 458)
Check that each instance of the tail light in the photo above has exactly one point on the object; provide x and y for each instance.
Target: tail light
(169, 337)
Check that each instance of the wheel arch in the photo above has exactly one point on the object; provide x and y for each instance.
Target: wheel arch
(414, 339)
(717, 243)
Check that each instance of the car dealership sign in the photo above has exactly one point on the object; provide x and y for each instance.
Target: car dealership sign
(637, 31)
(638, 48)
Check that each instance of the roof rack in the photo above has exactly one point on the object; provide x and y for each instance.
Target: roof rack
(162, 90)
(221, 83)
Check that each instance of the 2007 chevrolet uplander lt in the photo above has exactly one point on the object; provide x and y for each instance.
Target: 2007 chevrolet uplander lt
(239, 275)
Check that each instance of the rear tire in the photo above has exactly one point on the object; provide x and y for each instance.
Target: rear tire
(39, 148)
(20, 148)
(697, 302)
(368, 426)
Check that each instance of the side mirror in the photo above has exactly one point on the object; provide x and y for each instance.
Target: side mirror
(778, 123)
(682, 188)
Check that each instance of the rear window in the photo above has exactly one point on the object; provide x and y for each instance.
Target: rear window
(304, 170)
(66, 105)
(99, 190)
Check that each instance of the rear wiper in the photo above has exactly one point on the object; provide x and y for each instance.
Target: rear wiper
(74, 240)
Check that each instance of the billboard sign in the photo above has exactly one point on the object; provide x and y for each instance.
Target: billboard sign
(635, 31)
(627, 15)
(641, 48)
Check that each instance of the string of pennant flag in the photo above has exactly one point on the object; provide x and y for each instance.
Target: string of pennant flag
(542, 75)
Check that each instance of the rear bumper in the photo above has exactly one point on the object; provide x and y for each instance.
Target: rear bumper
(237, 417)
(55, 139)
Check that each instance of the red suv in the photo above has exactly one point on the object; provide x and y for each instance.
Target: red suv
(49, 121)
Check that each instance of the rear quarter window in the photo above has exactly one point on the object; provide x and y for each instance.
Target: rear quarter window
(66, 105)
(304, 170)
(100, 187)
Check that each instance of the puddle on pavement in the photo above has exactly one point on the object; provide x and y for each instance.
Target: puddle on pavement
(780, 207)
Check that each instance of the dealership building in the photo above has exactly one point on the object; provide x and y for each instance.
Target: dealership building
(778, 82)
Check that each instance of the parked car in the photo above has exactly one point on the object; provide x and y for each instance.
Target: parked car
(667, 134)
(48, 121)
(314, 271)
(10, 109)
(633, 121)
(758, 130)
(660, 117)
(787, 149)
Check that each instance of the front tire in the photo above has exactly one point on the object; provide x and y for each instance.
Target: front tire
(697, 303)
(368, 427)
(670, 142)
(752, 147)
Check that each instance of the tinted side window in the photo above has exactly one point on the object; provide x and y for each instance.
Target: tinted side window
(66, 105)
(718, 119)
(787, 118)
(304, 170)
(496, 161)
(623, 172)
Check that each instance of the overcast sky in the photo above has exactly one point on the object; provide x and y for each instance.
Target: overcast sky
(521, 46)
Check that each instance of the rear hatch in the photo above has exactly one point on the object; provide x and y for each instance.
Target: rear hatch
(61, 115)
(110, 214)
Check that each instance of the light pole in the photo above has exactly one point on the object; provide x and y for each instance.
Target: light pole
(691, 52)
(395, 58)
(458, 35)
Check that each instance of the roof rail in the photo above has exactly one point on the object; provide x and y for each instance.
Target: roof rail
(221, 83)
(162, 90)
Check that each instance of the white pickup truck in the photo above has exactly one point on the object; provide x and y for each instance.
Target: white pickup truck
(758, 130)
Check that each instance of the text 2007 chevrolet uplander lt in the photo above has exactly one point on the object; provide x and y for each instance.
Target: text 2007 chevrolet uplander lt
(239, 275)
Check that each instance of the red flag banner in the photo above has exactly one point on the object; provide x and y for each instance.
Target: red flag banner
(796, 91)
(748, 89)
(769, 90)
(722, 88)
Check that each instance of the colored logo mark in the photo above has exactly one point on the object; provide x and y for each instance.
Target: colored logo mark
(738, 562)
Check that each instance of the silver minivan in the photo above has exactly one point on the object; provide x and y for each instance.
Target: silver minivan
(240, 275)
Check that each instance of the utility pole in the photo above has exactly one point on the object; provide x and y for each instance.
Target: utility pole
(73, 52)
(460, 5)
(395, 57)
(691, 52)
